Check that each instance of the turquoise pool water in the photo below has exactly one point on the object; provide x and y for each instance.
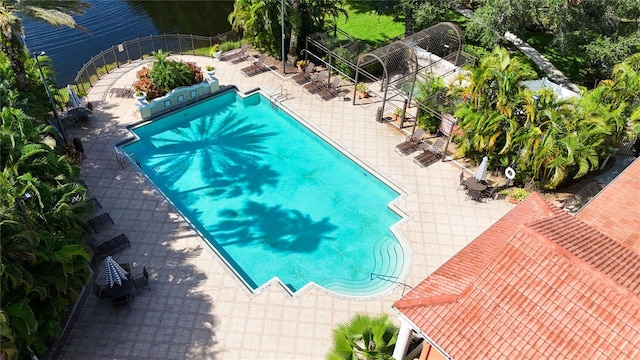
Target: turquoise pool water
(273, 198)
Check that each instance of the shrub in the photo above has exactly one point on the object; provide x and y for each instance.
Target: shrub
(519, 194)
(166, 75)
(230, 45)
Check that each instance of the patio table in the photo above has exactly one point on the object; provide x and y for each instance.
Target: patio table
(473, 184)
(119, 290)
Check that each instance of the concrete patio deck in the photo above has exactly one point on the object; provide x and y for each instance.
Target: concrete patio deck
(197, 309)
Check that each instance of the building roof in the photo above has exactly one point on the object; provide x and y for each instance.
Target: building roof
(616, 211)
(539, 283)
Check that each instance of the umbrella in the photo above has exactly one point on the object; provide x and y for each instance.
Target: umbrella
(481, 173)
(114, 273)
(73, 97)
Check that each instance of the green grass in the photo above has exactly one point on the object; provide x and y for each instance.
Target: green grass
(369, 27)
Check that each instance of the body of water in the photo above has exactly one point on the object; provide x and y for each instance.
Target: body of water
(114, 21)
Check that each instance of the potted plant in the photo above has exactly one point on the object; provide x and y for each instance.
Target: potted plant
(215, 51)
(517, 195)
(211, 71)
(302, 64)
(362, 90)
(398, 114)
(140, 96)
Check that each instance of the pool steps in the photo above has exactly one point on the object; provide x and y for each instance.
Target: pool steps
(389, 263)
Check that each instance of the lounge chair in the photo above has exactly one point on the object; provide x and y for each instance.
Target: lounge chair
(109, 247)
(332, 90)
(429, 155)
(411, 144)
(237, 55)
(316, 84)
(121, 92)
(256, 68)
(305, 76)
(98, 222)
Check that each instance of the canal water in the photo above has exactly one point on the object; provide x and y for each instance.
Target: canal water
(111, 22)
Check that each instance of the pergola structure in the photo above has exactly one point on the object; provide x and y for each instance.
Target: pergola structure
(394, 68)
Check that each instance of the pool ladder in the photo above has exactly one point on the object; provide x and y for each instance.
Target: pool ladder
(279, 94)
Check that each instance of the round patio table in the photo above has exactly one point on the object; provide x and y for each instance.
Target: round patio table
(119, 290)
(473, 184)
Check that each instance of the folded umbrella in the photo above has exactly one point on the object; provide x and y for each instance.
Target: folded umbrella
(73, 97)
(481, 173)
(114, 273)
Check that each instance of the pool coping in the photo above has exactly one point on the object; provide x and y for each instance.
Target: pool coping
(395, 228)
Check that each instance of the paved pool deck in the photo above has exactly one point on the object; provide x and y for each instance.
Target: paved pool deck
(197, 308)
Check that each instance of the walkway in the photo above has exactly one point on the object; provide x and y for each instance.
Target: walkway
(197, 309)
(553, 73)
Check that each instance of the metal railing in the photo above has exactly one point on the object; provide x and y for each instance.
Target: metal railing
(139, 48)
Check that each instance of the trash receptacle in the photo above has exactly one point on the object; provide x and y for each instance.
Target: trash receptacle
(379, 114)
(77, 145)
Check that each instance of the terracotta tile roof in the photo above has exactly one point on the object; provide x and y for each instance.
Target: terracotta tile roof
(615, 210)
(538, 284)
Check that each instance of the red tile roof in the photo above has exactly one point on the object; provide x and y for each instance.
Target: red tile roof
(615, 211)
(537, 284)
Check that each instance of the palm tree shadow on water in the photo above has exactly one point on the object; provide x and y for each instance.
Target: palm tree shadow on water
(224, 149)
(278, 228)
(228, 152)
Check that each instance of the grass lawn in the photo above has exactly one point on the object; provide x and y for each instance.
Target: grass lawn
(370, 27)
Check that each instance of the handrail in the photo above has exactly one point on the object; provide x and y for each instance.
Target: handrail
(392, 279)
(128, 51)
(276, 95)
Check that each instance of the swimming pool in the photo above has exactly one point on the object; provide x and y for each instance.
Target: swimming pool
(273, 199)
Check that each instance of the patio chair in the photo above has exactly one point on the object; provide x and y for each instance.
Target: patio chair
(332, 90)
(411, 144)
(474, 195)
(142, 280)
(316, 84)
(429, 155)
(100, 221)
(461, 180)
(489, 193)
(305, 76)
(256, 68)
(97, 291)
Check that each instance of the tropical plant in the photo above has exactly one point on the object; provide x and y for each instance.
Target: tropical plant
(42, 215)
(362, 87)
(364, 337)
(258, 20)
(165, 75)
(546, 139)
(56, 13)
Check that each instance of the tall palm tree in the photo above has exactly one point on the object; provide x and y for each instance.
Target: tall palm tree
(364, 338)
(54, 12)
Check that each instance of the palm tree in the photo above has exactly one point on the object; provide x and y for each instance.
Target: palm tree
(364, 338)
(54, 12)
(42, 215)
